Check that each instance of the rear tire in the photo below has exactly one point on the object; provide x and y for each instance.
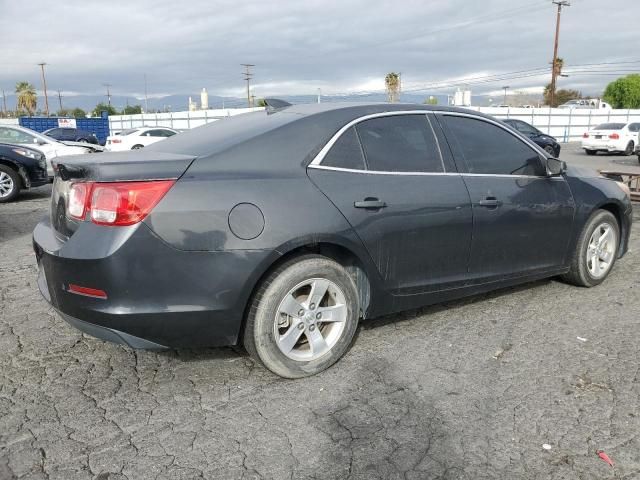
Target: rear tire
(591, 152)
(549, 149)
(303, 317)
(588, 266)
(10, 184)
(630, 148)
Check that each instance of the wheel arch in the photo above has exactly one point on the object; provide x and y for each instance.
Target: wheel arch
(617, 211)
(338, 251)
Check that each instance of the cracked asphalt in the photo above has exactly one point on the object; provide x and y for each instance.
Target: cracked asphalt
(471, 389)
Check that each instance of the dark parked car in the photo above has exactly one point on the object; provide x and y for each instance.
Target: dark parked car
(547, 142)
(68, 134)
(20, 168)
(281, 231)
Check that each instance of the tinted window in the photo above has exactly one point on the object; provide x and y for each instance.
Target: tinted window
(490, 149)
(634, 127)
(399, 143)
(525, 127)
(346, 152)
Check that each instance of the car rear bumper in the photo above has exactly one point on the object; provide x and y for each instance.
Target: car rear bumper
(157, 296)
(602, 145)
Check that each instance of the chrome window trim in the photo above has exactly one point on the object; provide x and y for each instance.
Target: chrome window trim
(453, 174)
(317, 160)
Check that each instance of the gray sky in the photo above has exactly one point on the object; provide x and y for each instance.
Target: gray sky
(299, 46)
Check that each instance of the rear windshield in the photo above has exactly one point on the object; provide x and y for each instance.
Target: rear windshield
(610, 126)
(127, 132)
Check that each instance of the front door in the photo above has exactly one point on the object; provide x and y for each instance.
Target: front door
(388, 178)
(522, 218)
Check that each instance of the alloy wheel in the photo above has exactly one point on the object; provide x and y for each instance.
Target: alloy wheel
(601, 250)
(310, 319)
(6, 185)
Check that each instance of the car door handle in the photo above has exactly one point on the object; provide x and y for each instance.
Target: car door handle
(490, 202)
(370, 203)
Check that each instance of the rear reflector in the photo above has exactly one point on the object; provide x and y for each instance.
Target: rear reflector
(87, 292)
(585, 135)
(116, 203)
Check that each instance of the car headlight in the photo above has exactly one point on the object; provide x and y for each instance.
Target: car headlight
(28, 153)
(625, 188)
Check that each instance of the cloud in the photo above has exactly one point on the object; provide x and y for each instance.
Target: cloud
(298, 47)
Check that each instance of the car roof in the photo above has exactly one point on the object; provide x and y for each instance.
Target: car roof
(293, 133)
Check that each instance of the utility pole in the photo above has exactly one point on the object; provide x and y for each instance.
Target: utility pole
(554, 71)
(44, 83)
(108, 85)
(4, 103)
(319, 94)
(504, 102)
(146, 106)
(247, 76)
(60, 99)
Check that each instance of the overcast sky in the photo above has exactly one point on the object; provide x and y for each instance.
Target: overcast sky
(299, 46)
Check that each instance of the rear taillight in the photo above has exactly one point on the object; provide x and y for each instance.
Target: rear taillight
(116, 140)
(78, 197)
(585, 135)
(117, 203)
(614, 136)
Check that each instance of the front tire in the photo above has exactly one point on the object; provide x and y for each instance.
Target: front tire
(303, 317)
(550, 150)
(9, 184)
(596, 251)
(137, 147)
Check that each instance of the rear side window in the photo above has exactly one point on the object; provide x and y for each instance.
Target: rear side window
(489, 149)
(346, 152)
(399, 143)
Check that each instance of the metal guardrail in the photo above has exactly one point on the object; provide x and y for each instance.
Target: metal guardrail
(631, 179)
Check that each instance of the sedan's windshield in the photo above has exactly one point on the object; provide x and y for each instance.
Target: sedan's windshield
(610, 126)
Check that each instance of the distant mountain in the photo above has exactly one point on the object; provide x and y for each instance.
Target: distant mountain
(176, 103)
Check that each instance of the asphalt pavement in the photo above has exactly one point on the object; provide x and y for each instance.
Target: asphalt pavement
(524, 383)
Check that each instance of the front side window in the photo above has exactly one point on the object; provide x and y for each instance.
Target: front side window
(399, 143)
(489, 149)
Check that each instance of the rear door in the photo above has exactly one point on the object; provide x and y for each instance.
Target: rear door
(410, 208)
(522, 219)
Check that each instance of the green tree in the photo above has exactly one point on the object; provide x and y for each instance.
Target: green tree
(78, 113)
(624, 92)
(27, 98)
(261, 103)
(431, 100)
(103, 107)
(132, 110)
(561, 96)
(392, 84)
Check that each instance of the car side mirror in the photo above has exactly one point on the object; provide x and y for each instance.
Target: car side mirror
(555, 167)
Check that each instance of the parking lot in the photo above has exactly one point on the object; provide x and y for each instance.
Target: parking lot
(471, 389)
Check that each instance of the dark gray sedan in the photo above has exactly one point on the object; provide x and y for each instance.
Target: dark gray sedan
(280, 231)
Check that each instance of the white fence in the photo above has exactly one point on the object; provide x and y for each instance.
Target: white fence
(565, 125)
(178, 120)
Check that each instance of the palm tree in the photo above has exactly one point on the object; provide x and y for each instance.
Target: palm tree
(27, 98)
(392, 84)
